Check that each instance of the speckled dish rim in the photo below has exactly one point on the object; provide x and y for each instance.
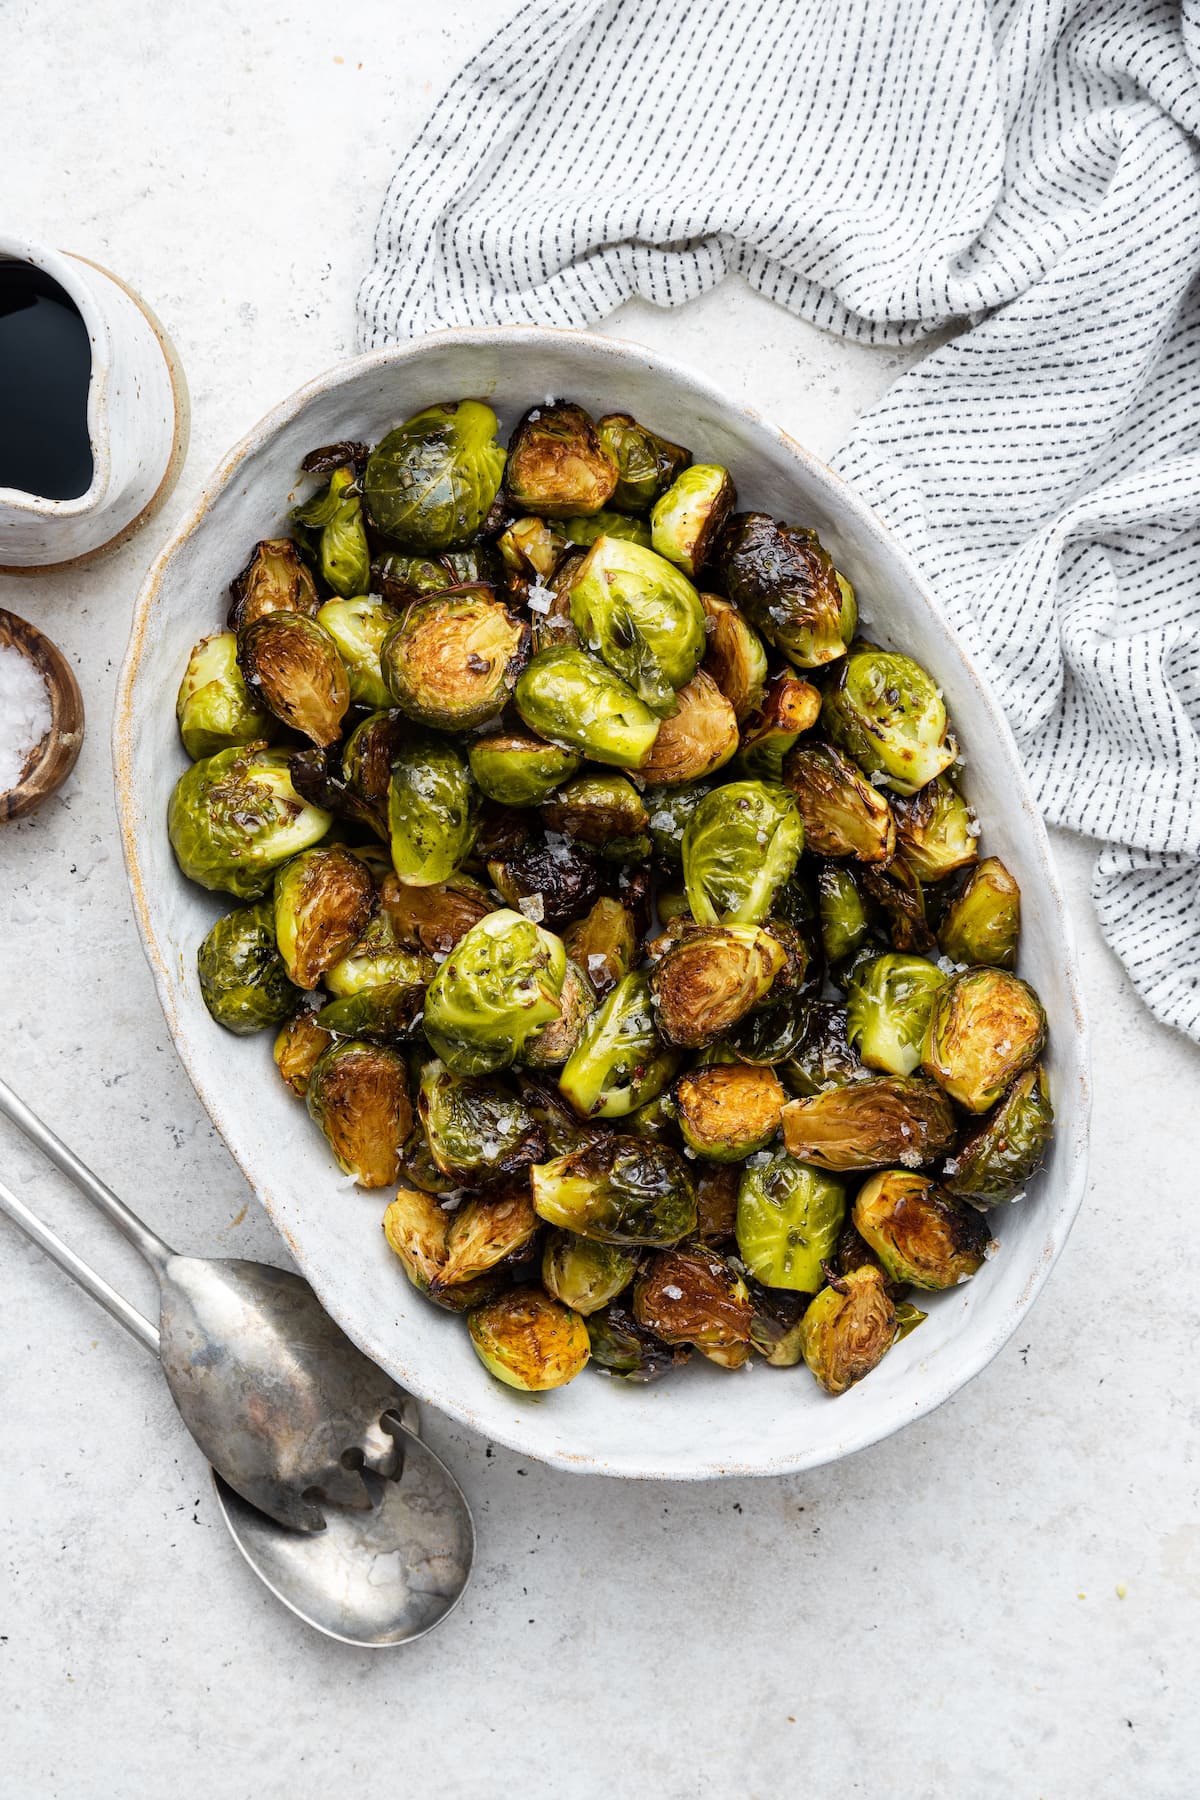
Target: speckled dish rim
(1073, 1112)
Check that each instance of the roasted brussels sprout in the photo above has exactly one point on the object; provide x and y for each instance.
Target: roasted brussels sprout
(607, 524)
(771, 1034)
(898, 895)
(669, 809)
(686, 520)
(343, 554)
(432, 813)
(583, 1274)
(935, 830)
(487, 1231)
(882, 709)
(716, 1187)
(888, 1008)
(476, 1127)
(646, 464)
(983, 921)
(656, 1119)
(844, 814)
(697, 739)
(619, 1061)
(557, 465)
(604, 944)
(452, 661)
(1007, 1147)
(786, 584)
(434, 919)
(416, 1228)
(401, 578)
(323, 899)
(822, 1059)
(577, 701)
(500, 986)
(693, 1297)
(274, 580)
(528, 1340)
(618, 1190)
(215, 709)
(548, 880)
(292, 663)
(920, 1233)
(368, 757)
(380, 1014)
(604, 810)
(845, 921)
(709, 977)
(378, 958)
(867, 1124)
(518, 770)
(788, 1219)
(243, 979)
(621, 1347)
(235, 817)
(358, 1094)
(734, 656)
(776, 1330)
(730, 1110)
(986, 1027)
(358, 627)
(848, 1329)
(849, 616)
(547, 1107)
(531, 547)
(298, 1046)
(577, 1002)
(430, 484)
(790, 706)
(740, 847)
(642, 616)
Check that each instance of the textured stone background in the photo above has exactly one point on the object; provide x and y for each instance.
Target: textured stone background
(936, 1617)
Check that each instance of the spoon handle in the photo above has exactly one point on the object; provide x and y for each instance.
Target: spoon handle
(145, 1241)
(135, 1323)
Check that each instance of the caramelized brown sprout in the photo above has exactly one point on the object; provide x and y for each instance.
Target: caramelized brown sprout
(848, 1329)
(882, 709)
(531, 547)
(452, 661)
(518, 769)
(920, 1233)
(604, 810)
(786, 584)
(843, 813)
(477, 1127)
(935, 830)
(619, 1061)
(417, 1229)
(604, 944)
(789, 1216)
(790, 707)
(618, 1190)
(584, 1274)
(822, 1059)
(433, 919)
(729, 1111)
(381, 1014)
(323, 899)
(276, 579)
(299, 1043)
(402, 578)
(868, 1124)
(693, 1297)
(551, 1047)
(368, 758)
(734, 656)
(528, 1340)
(557, 464)
(486, 1232)
(695, 741)
(215, 709)
(898, 895)
(716, 1187)
(709, 977)
(687, 519)
(646, 464)
(1006, 1148)
(777, 1328)
(623, 1348)
(552, 882)
(358, 1094)
(983, 921)
(292, 664)
(986, 1027)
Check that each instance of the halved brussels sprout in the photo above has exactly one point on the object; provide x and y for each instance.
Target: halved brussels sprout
(716, 1187)
(790, 706)
(646, 463)
(786, 584)
(243, 979)
(986, 1027)
(843, 813)
(777, 1328)
(822, 1059)
(528, 1340)
(867, 1124)
(849, 616)
(709, 977)
(620, 1061)
(888, 1007)
(845, 922)
(519, 770)
(549, 880)
(656, 1119)
(696, 740)
(618, 1190)
(532, 547)
(323, 899)
(623, 1348)
(597, 809)
(485, 1232)
(669, 810)
(452, 661)
(773, 1033)
(493, 992)
(401, 578)
(919, 1232)
(898, 894)
(576, 701)
(607, 524)
(548, 1108)
(693, 1297)
(215, 709)
(434, 919)
(276, 579)
(686, 519)
(983, 921)
(583, 1274)
(420, 1168)
(430, 483)
(604, 944)
(935, 830)
(734, 656)
(740, 847)
(788, 1219)
(854, 1252)
(235, 817)
(476, 1127)
(417, 1229)
(432, 814)
(882, 709)
(369, 755)
(380, 1014)
(642, 616)
(729, 1111)
(343, 554)
(557, 465)
(377, 958)
(848, 1329)
(577, 1002)
(298, 1046)
(1007, 1147)
(358, 1094)
(358, 627)
(292, 663)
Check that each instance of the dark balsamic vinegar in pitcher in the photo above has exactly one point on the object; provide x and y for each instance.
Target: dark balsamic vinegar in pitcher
(45, 372)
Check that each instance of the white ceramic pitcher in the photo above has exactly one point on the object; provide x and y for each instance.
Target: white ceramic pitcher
(137, 415)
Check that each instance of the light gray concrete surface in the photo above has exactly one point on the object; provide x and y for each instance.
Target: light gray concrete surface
(1001, 1601)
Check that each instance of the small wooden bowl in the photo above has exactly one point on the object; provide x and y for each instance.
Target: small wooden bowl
(50, 761)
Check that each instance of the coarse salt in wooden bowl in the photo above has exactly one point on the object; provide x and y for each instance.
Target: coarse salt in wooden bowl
(40, 732)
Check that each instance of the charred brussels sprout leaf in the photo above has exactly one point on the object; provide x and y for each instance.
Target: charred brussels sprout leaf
(935, 829)
(432, 818)
(622, 1347)
(323, 899)
(848, 1329)
(646, 463)
(528, 1340)
(434, 919)
(734, 656)
(790, 707)
(642, 616)
(343, 554)
(235, 817)
(430, 484)
(498, 987)
(983, 921)
(882, 709)
(888, 1007)
(867, 1124)
(898, 895)
(729, 1111)
(619, 1190)
(476, 1127)
(740, 847)
(380, 1014)
(604, 944)
(607, 524)
(358, 628)
(1007, 1147)
(696, 740)
(298, 1047)
(844, 814)
(822, 1059)
(776, 1330)
(292, 663)
(987, 1026)
(243, 979)
(786, 584)
(583, 1274)
(788, 1220)
(557, 465)
(710, 977)
(920, 1233)
(369, 755)
(845, 921)
(451, 661)
(619, 1061)
(215, 709)
(716, 1202)
(686, 519)
(518, 770)
(558, 881)
(576, 701)
(358, 1094)
(694, 1297)
(486, 1232)
(274, 580)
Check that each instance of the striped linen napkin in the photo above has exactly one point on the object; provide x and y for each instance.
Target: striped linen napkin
(1028, 167)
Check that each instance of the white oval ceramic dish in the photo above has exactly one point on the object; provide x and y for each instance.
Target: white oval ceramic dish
(706, 1422)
